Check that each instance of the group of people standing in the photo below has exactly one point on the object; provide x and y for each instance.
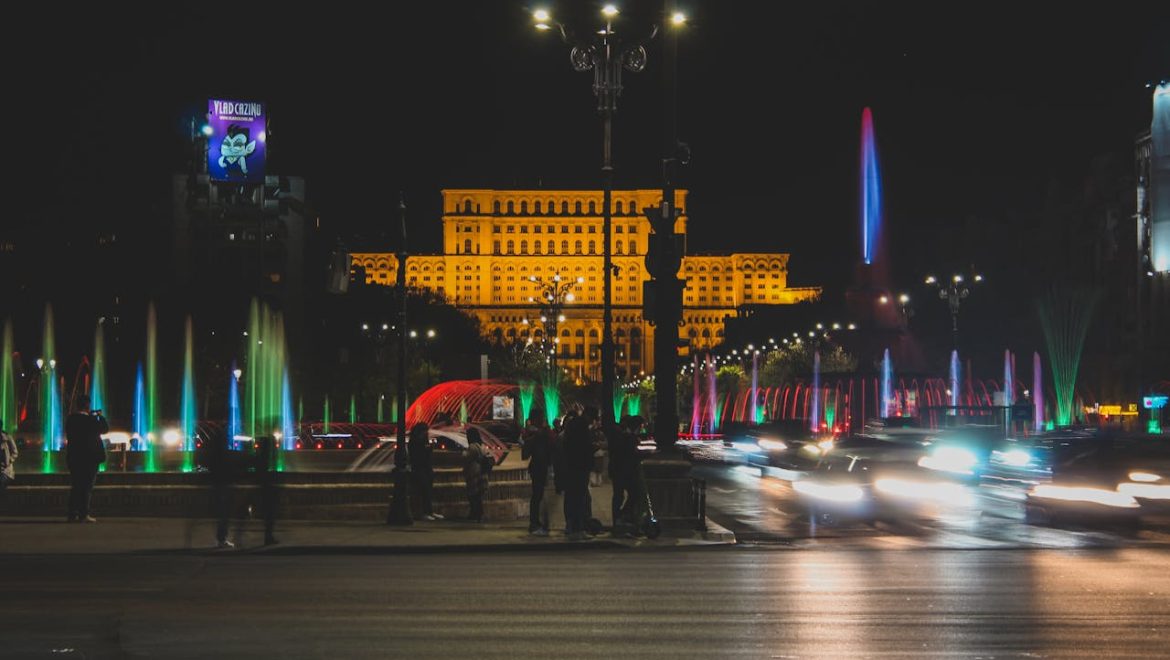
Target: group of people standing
(564, 456)
(570, 453)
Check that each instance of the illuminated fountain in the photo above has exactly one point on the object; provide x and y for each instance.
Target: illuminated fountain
(51, 427)
(955, 382)
(268, 412)
(141, 432)
(235, 420)
(1009, 370)
(696, 407)
(1037, 394)
(527, 393)
(552, 398)
(755, 393)
(634, 403)
(187, 413)
(712, 394)
(7, 382)
(1065, 315)
(97, 389)
(325, 415)
(288, 427)
(815, 417)
(150, 393)
(353, 416)
(887, 386)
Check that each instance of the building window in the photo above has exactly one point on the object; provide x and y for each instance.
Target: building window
(523, 247)
(467, 246)
(536, 229)
(551, 246)
(618, 247)
(592, 229)
(577, 247)
(511, 247)
(564, 247)
(577, 207)
(536, 247)
(618, 229)
(633, 247)
(619, 208)
(495, 247)
(511, 208)
(592, 247)
(578, 229)
(633, 229)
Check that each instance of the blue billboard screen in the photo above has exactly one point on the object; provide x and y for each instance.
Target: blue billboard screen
(236, 136)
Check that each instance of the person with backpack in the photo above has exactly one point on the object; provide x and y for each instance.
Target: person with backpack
(623, 470)
(84, 453)
(8, 454)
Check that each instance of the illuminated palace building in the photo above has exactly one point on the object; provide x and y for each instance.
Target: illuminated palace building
(496, 242)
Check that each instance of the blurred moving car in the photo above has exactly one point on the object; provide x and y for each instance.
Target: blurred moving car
(1113, 480)
(962, 452)
(851, 489)
(787, 444)
(451, 439)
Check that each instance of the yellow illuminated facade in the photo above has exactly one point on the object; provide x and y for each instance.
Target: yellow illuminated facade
(495, 241)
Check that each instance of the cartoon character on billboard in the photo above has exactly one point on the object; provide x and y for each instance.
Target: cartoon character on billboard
(235, 149)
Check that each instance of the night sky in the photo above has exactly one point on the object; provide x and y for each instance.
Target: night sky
(977, 107)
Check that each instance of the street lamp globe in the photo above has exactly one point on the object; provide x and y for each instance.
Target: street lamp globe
(609, 11)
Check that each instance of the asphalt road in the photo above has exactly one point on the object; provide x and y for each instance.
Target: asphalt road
(704, 603)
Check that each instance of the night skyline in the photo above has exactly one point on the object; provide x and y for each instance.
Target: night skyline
(974, 115)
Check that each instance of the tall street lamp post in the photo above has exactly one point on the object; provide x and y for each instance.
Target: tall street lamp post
(605, 54)
(400, 503)
(663, 293)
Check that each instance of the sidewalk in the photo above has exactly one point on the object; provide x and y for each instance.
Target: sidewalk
(53, 536)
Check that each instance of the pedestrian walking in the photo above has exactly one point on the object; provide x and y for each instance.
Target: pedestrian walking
(222, 476)
(538, 449)
(8, 454)
(477, 464)
(266, 477)
(422, 471)
(84, 453)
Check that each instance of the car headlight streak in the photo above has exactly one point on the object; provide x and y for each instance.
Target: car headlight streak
(950, 459)
(1085, 494)
(829, 491)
